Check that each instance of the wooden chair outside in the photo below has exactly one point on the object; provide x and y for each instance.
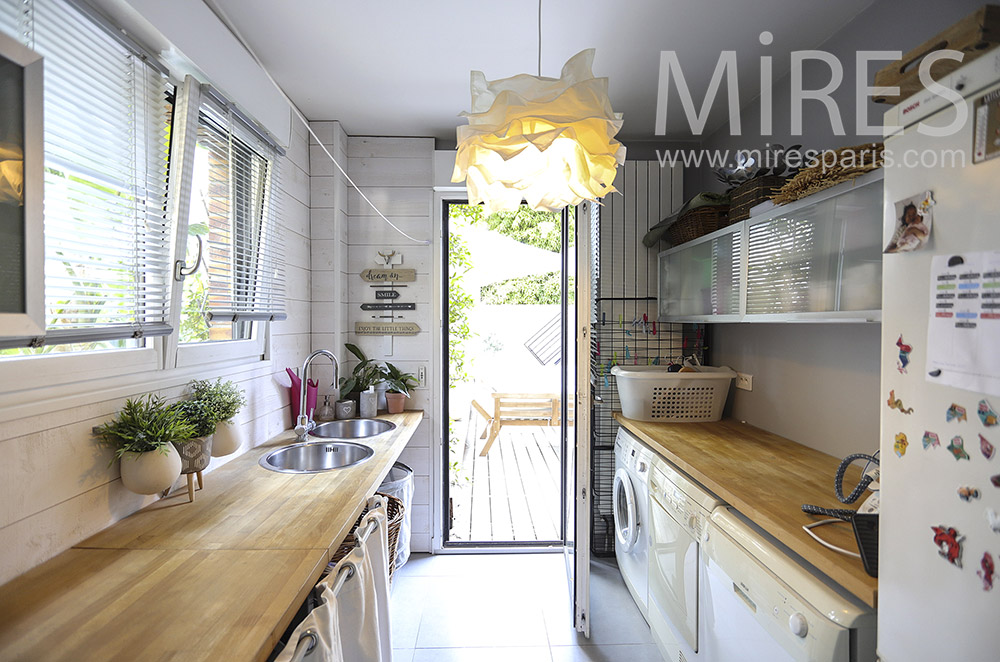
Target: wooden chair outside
(517, 409)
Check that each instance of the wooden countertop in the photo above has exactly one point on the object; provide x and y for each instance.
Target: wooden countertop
(767, 478)
(217, 579)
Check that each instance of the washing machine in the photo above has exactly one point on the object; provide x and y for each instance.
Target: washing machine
(761, 605)
(630, 503)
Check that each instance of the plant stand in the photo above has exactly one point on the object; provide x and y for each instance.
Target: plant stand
(195, 455)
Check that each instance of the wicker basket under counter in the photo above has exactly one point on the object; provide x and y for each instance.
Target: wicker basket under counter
(394, 519)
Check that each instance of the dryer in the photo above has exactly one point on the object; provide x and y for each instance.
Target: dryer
(630, 504)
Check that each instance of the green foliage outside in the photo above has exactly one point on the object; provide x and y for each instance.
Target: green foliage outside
(459, 302)
(524, 290)
(532, 228)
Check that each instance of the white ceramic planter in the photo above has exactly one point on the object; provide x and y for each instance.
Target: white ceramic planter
(152, 472)
(228, 439)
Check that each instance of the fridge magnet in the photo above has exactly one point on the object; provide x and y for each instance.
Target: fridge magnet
(995, 480)
(914, 218)
(985, 571)
(895, 403)
(957, 448)
(900, 445)
(904, 355)
(949, 543)
(987, 414)
(986, 447)
(931, 439)
(993, 520)
(956, 413)
(968, 493)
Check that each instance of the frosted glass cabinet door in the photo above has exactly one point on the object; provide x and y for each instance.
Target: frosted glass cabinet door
(701, 278)
(819, 258)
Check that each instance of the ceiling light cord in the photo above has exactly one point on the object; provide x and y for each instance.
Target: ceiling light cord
(539, 38)
(221, 15)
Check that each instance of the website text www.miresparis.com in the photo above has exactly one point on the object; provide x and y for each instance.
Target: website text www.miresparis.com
(827, 159)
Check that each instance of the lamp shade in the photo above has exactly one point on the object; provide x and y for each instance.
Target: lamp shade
(545, 140)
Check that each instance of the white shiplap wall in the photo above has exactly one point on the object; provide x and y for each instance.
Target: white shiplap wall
(395, 173)
(55, 484)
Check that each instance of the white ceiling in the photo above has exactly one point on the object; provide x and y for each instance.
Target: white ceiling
(398, 67)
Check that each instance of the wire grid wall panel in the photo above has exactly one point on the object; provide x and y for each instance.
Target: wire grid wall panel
(625, 331)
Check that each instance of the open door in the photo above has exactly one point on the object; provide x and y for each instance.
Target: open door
(580, 312)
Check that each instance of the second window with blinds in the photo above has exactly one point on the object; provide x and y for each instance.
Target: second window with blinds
(231, 225)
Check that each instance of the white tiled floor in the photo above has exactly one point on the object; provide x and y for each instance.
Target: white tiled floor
(510, 607)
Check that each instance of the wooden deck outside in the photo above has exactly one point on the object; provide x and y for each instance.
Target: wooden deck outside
(511, 494)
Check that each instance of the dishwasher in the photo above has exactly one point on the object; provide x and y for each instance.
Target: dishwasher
(762, 605)
(679, 509)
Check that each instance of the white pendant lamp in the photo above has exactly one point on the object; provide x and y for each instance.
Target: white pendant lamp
(549, 141)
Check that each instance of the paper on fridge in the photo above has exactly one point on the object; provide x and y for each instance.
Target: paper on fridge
(963, 333)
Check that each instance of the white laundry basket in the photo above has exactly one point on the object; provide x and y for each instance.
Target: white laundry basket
(650, 393)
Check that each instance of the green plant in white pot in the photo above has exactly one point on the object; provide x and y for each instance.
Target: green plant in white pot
(225, 400)
(399, 385)
(142, 435)
(196, 451)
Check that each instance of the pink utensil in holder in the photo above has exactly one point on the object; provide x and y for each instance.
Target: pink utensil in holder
(295, 391)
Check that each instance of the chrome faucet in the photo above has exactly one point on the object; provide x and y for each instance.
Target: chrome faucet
(305, 423)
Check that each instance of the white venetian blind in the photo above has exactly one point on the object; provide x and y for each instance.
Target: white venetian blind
(107, 237)
(782, 268)
(235, 209)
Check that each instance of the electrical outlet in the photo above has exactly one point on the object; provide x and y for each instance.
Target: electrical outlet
(744, 381)
(422, 377)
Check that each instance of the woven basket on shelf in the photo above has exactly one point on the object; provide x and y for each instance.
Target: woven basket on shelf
(697, 222)
(751, 193)
(394, 513)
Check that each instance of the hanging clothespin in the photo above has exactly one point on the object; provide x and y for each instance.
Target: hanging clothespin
(656, 361)
(627, 332)
(604, 318)
(649, 361)
(654, 327)
(600, 370)
(614, 358)
(607, 384)
(626, 352)
(619, 320)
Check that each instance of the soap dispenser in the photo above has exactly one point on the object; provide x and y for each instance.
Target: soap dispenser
(325, 412)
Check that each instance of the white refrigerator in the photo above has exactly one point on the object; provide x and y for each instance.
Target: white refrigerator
(940, 480)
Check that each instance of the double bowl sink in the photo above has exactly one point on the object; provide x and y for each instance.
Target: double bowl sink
(333, 447)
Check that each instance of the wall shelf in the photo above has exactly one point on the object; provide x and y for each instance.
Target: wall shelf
(818, 259)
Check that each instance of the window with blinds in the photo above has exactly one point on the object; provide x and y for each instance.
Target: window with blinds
(107, 236)
(233, 217)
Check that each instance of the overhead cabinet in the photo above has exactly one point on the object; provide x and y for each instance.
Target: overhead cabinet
(817, 259)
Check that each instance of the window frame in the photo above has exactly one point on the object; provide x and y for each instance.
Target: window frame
(176, 354)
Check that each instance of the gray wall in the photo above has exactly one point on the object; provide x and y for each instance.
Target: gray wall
(819, 383)
(886, 25)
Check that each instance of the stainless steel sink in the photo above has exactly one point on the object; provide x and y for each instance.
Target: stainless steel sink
(314, 457)
(352, 428)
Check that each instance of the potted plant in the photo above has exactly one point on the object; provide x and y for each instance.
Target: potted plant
(142, 435)
(367, 373)
(196, 450)
(225, 400)
(399, 385)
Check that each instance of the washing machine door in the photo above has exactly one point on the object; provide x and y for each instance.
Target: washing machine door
(623, 502)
